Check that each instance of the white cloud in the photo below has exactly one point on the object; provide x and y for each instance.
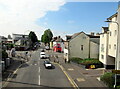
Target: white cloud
(18, 16)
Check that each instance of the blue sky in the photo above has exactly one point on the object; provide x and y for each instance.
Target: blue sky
(78, 16)
(61, 16)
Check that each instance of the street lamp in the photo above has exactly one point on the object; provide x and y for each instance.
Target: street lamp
(117, 59)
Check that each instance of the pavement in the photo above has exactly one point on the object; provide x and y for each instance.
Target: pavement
(15, 63)
(84, 78)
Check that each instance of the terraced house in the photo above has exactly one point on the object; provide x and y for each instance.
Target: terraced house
(109, 43)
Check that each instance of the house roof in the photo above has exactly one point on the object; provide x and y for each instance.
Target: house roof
(76, 34)
(57, 39)
(91, 36)
(114, 15)
(105, 29)
(20, 34)
(3, 37)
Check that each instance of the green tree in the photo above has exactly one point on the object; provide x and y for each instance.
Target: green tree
(47, 36)
(42, 38)
(33, 37)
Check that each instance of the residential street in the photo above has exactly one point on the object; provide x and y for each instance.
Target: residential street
(82, 77)
(34, 74)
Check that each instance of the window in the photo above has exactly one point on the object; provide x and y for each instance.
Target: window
(84, 37)
(81, 47)
(109, 46)
(115, 46)
(115, 32)
(102, 56)
(110, 33)
(102, 47)
(102, 35)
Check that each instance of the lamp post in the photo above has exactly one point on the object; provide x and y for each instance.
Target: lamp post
(117, 50)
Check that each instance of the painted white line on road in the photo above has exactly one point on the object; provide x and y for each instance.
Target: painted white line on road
(39, 80)
(39, 70)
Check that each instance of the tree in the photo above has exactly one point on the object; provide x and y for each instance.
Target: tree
(47, 36)
(33, 37)
(42, 38)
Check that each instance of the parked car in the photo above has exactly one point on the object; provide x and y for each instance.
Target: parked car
(57, 48)
(42, 55)
(47, 64)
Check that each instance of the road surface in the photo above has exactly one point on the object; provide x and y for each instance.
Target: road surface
(34, 75)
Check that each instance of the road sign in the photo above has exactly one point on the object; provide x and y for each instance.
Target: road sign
(116, 71)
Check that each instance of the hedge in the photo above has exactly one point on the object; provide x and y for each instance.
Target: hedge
(87, 62)
(108, 79)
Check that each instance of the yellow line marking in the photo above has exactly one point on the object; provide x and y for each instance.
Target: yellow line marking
(69, 78)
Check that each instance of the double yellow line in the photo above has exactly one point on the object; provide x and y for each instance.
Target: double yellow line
(75, 86)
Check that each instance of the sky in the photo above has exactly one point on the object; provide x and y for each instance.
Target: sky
(61, 16)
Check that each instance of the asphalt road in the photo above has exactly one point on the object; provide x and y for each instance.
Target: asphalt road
(33, 74)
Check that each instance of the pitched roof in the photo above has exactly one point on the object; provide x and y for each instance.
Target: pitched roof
(105, 29)
(114, 15)
(57, 39)
(76, 34)
(92, 36)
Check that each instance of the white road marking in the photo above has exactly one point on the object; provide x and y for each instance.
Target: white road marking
(39, 69)
(39, 80)
(39, 73)
(80, 79)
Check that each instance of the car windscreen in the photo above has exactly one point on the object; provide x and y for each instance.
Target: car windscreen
(47, 62)
(42, 54)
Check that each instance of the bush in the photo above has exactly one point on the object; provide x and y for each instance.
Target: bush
(108, 79)
(4, 54)
(118, 87)
(89, 61)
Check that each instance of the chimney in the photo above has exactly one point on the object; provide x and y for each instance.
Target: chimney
(97, 34)
(92, 33)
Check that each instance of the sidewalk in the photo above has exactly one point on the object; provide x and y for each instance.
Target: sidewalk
(81, 76)
(15, 63)
(7, 73)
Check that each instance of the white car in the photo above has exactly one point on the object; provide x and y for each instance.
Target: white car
(47, 64)
(42, 55)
